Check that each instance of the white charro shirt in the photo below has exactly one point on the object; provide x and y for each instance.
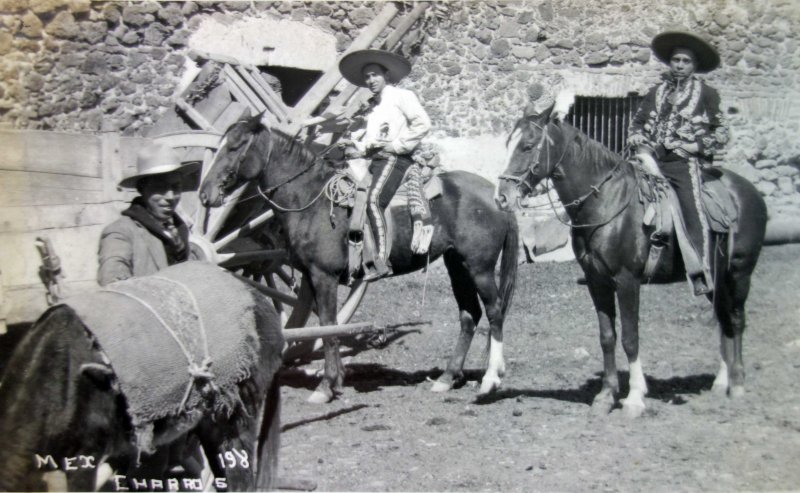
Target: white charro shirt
(398, 118)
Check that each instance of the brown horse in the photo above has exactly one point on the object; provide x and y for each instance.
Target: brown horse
(62, 411)
(599, 191)
(470, 233)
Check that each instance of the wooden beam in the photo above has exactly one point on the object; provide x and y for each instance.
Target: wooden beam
(273, 101)
(268, 291)
(194, 115)
(331, 77)
(311, 333)
(241, 90)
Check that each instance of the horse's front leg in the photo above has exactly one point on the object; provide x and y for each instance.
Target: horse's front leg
(628, 289)
(325, 288)
(603, 298)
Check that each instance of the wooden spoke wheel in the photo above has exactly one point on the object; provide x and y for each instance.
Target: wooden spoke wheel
(244, 237)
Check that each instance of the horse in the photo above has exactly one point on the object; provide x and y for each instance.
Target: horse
(471, 233)
(599, 192)
(63, 411)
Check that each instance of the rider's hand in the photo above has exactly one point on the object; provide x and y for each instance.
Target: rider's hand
(381, 146)
(691, 148)
(344, 143)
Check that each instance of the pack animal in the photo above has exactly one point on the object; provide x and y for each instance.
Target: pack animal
(470, 233)
(64, 405)
(599, 191)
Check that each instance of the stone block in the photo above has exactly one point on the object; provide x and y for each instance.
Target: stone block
(768, 174)
(765, 163)
(510, 29)
(63, 26)
(523, 52)
(43, 6)
(500, 48)
(786, 170)
(92, 32)
(361, 16)
(155, 34)
(139, 14)
(596, 58)
(13, 6)
(785, 185)
(32, 26)
(766, 188)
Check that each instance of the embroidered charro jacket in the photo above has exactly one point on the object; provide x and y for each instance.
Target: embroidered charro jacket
(675, 113)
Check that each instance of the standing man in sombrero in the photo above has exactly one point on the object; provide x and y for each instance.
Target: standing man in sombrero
(396, 122)
(681, 121)
(150, 235)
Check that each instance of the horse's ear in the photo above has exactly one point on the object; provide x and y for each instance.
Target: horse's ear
(255, 122)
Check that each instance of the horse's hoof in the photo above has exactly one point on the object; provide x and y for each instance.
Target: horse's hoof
(439, 386)
(489, 385)
(320, 397)
(737, 391)
(720, 389)
(602, 403)
(632, 410)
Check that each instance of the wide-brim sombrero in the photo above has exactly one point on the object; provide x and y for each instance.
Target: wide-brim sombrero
(352, 64)
(160, 159)
(706, 56)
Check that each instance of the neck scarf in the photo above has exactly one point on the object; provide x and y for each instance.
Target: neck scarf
(173, 233)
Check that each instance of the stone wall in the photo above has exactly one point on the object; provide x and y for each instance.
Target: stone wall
(84, 66)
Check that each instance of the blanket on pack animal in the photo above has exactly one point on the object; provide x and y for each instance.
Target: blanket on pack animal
(178, 341)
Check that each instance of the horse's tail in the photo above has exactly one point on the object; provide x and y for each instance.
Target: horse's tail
(508, 263)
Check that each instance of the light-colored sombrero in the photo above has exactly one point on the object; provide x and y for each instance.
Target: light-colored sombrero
(160, 159)
(352, 64)
(664, 45)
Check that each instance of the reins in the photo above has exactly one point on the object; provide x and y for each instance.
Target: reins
(522, 179)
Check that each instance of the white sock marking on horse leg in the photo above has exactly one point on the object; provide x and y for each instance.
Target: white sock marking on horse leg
(497, 368)
(633, 405)
(721, 381)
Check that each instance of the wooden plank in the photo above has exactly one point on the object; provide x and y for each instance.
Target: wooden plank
(323, 331)
(258, 77)
(328, 81)
(214, 103)
(194, 115)
(276, 107)
(26, 218)
(32, 188)
(192, 138)
(51, 152)
(231, 115)
(241, 90)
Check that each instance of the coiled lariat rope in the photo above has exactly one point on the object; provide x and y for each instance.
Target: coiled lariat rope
(338, 189)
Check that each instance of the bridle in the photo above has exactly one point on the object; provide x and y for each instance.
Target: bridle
(545, 141)
(533, 169)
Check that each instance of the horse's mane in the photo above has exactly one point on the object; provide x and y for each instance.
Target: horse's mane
(589, 150)
(291, 149)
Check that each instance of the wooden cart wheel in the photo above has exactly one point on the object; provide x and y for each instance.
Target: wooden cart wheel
(242, 240)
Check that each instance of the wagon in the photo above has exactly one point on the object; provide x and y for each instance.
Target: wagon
(61, 202)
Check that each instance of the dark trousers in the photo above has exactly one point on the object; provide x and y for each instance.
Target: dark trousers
(684, 176)
(387, 174)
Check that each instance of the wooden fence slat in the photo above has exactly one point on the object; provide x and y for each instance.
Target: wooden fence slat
(51, 152)
(270, 100)
(194, 115)
(241, 89)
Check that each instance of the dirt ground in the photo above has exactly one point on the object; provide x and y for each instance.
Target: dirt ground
(388, 432)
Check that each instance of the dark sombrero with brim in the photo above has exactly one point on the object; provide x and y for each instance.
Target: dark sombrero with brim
(353, 63)
(664, 45)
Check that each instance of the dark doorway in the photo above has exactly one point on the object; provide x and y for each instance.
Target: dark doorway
(605, 120)
(294, 82)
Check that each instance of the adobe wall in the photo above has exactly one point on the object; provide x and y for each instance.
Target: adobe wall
(84, 66)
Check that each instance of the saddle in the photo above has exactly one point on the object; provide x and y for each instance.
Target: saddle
(663, 213)
(420, 185)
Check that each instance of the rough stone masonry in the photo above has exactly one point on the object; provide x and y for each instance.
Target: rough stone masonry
(76, 65)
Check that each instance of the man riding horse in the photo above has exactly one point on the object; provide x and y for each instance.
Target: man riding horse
(681, 121)
(396, 122)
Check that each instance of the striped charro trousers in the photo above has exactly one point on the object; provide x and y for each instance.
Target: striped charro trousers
(387, 174)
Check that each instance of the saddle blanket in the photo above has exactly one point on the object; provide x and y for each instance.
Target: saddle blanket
(718, 204)
(157, 331)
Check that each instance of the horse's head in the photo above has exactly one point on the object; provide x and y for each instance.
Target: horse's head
(237, 161)
(527, 165)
